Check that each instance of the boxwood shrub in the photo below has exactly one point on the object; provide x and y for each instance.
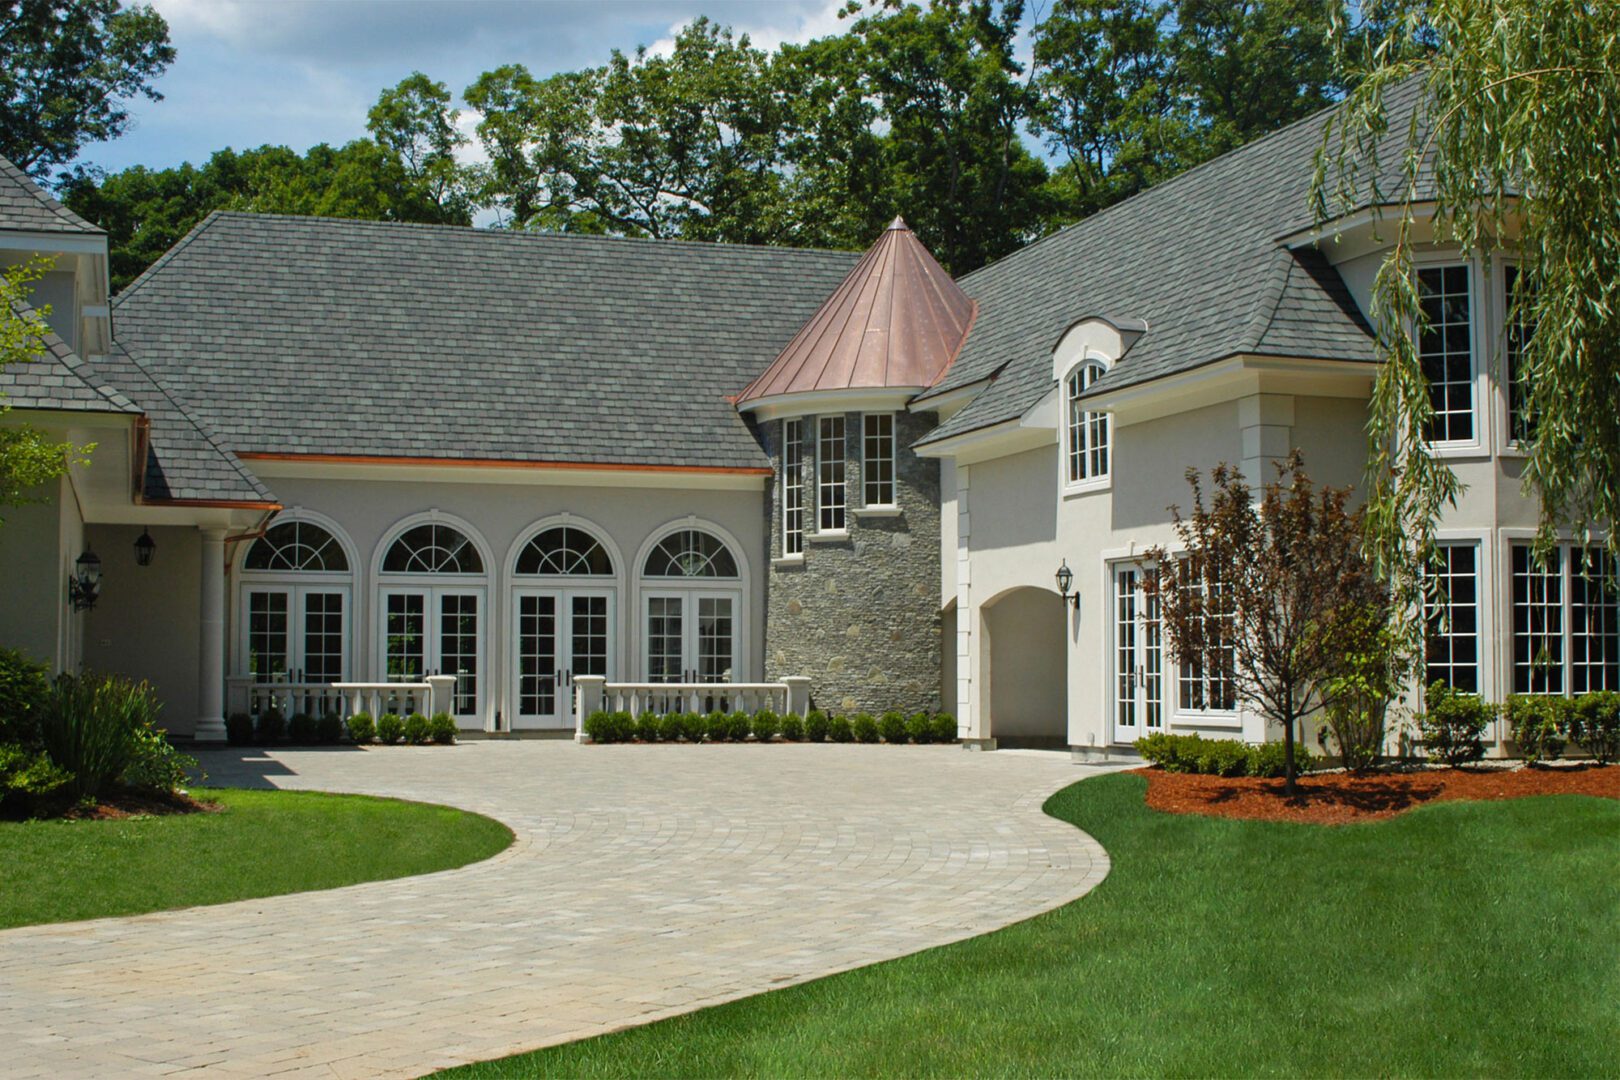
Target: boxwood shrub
(1220, 757)
(839, 729)
(271, 726)
(865, 727)
(301, 729)
(389, 728)
(1594, 723)
(920, 728)
(239, 729)
(1538, 724)
(329, 729)
(943, 726)
(816, 726)
(1268, 759)
(417, 732)
(362, 728)
(893, 728)
(1452, 725)
(647, 726)
(442, 728)
(672, 727)
(738, 725)
(793, 727)
(610, 727)
(765, 725)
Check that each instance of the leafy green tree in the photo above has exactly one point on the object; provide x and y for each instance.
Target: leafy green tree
(1511, 147)
(67, 67)
(27, 458)
(415, 122)
(1105, 100)
(946, 80)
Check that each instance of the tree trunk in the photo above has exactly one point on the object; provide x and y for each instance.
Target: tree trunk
(1288, 757)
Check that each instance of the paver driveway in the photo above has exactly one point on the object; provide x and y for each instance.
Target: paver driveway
(645, 881)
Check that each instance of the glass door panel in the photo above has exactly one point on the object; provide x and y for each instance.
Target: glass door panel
(405, 636)
(537, 655)
(324, 643)
(1138, 669)
(458, 648)
(666, 639)
(588, 635)
(714, 639)
(268, 642)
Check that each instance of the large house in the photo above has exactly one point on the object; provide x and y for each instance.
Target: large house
(362, 453)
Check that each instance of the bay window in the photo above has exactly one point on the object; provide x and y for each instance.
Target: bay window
(1446, 351)
(1451, 611)
(1566, 621)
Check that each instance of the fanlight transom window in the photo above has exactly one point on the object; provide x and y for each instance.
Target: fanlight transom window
(433, 549)
(691, 553)
(296, 545)
(564, 550)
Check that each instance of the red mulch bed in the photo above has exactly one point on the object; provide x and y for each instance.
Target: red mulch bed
(116, 805)
(1339, 798)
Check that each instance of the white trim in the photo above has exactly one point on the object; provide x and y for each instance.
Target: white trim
(849, 399)
(828, 536)
(354, 579)
(1067, 484)
(1236, 377)
(1479, 444)
(889, 510)
(947, 403)
(1003, 439)
(540, 476)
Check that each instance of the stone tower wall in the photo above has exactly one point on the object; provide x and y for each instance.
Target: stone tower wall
(859, 615)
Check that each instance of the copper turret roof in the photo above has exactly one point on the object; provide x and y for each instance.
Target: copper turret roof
(897, 320)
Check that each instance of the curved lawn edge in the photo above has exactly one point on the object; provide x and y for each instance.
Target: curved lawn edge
(267, 842)
(1183, 960)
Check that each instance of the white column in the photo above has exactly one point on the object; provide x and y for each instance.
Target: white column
(211, 640)
(588, 694)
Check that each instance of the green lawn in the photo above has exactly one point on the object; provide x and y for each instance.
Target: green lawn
(264, 843)
(1460, 939)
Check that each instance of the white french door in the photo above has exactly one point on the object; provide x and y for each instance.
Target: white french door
(295, 633)
(1138, 660)
(436, 631)
(556, 635)
(690, 635)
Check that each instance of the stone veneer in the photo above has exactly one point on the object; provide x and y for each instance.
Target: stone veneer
(860, 615)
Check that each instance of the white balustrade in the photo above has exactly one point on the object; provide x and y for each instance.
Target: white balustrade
(289, 698)
(430, 696)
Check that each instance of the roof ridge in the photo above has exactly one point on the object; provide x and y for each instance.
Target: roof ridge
(527, 234)
(30, 187)
(1224, 157)
(168, 256)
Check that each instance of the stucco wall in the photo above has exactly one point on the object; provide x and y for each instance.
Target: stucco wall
(146, 625)
(34, 615)
(860, 615)
(368, 511)
(1027, 660)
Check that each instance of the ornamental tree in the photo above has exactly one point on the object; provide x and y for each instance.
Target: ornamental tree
(1253, 597)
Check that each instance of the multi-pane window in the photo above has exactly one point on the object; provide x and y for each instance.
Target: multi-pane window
(1446, 351)
(1517, 333)
(792, 487)
(1566, 621)
(1206, 681)
(1087, 430)
(877, 460)
(830, 497)
(1452, 612)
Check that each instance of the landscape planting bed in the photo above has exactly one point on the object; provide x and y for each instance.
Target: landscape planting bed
(1339, 798)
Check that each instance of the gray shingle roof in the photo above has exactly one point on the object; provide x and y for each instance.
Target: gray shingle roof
(25, 207)
(1197, 258)
(306, 335)
(184, 459)
(58, 379)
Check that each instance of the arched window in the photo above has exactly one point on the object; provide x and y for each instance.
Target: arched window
(294, 611)
(433, 549)
(296, 545)
(691, 553)
(564, 550)
(1087, 430)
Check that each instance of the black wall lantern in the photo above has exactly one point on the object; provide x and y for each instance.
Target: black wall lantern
(85, 585)
(144, 547)
(1065, 581)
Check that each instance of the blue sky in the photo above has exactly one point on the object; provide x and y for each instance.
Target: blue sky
(300, 72)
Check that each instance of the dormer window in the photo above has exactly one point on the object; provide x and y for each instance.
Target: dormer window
(1086, 430)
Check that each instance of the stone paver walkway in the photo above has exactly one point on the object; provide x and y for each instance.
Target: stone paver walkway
(645, 881)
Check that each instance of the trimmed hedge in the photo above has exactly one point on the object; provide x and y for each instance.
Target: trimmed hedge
(1594, 724)
(793, 727)
(893, 728)
(329, 728)
(647, 727)
(1538, 723)
(271, 726)
(390, 728)
(765, 724)
(839, 729)
(816, 726)
(442, 728)
(1452, 725)
(865, 727)
(238, 729)
(944, 725)
(302, 729)
(362, 728)
(1221, 757)
(416, 729)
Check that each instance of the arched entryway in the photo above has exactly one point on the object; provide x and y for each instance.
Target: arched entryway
(1024, 669)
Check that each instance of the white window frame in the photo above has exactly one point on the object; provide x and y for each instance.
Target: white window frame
(1501, 369)
(1480, 636)
(793, 508)
(1082, 446)
(826, 486)
(1477, 334)
(1566, 616)
(1173, 676)
(298, 583)
(885, 454)
(739, 588)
